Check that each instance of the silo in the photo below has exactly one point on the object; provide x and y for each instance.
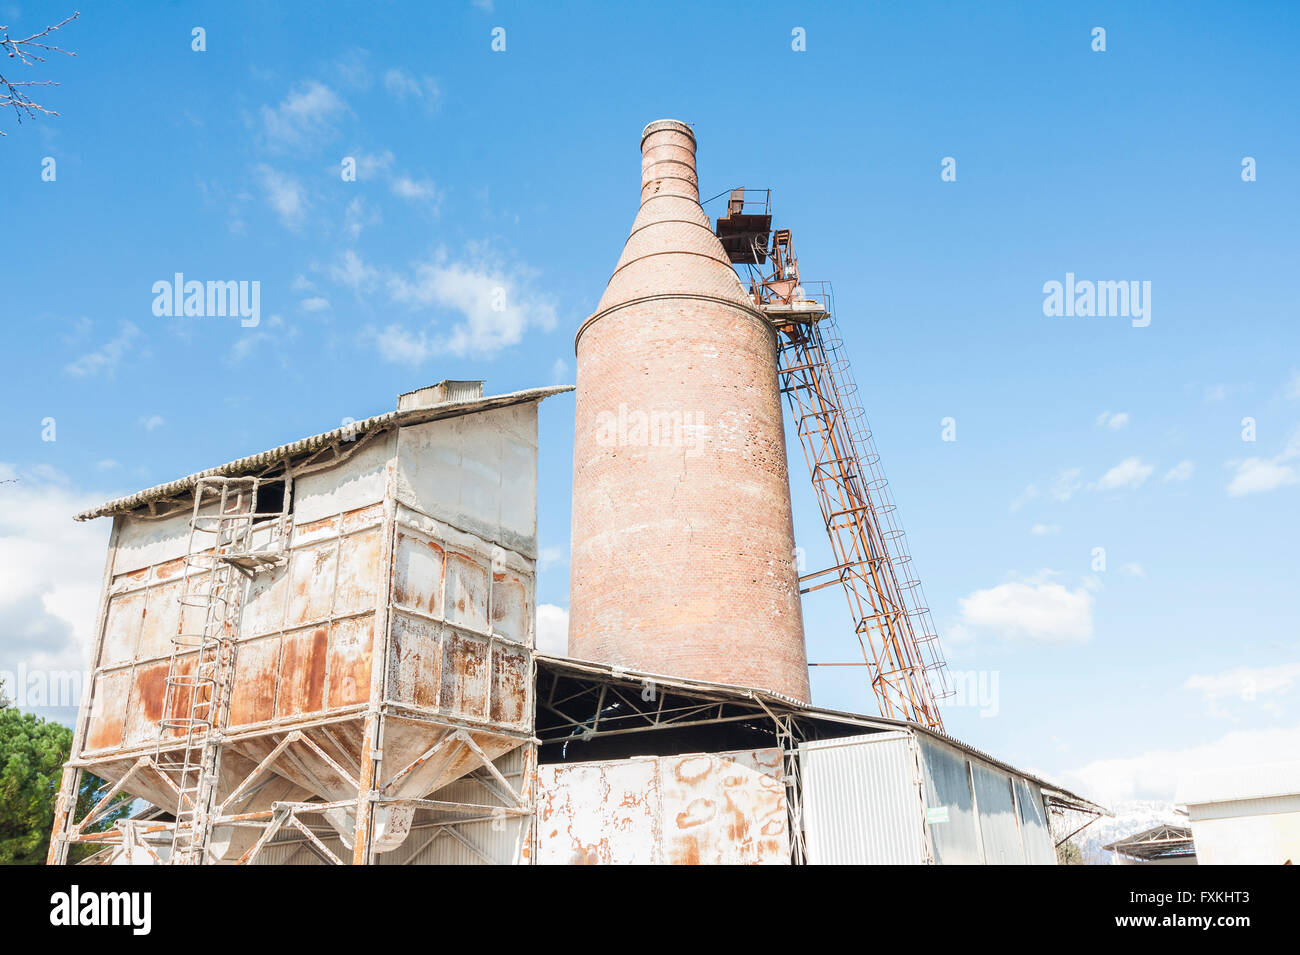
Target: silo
(683, 544)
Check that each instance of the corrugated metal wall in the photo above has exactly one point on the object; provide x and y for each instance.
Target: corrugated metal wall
(862, 801)
(902, 798)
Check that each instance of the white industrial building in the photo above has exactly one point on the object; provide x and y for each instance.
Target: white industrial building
(1246, 815)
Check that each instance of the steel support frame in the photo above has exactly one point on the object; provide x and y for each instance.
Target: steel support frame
(883, 624)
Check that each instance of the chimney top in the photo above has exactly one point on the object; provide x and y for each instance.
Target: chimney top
(661, 124)
(444, 392)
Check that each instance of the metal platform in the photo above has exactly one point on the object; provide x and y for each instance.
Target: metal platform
(744, 230)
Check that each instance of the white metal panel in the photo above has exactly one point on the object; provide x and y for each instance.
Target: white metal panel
(356, 482)
(1271, 839)
(1231, 784)
(143, 541)
(696, 808)
(1229, 809)
(1034, 832)
(950, 804)
(999, 827)
(477, 472)
(862, 801)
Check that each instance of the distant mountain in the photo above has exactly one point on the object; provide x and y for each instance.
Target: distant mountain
(1130, 818)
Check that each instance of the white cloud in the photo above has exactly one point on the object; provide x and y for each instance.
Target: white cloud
(285, 195)
(359, 216)
(306, 114)
(1133, 569)
(1042, 530)
(246, 344)
(51, 569)
(1129, 473)
(1245, 685)
(107, 357)
(398, 345)
(152, 422)
(107, 464)
(1256, 475)
(493, 300)
(1112, 421)
(402, 85)
(1180, 471)
(1030, 493)
(302, 284)
(1066, 483)
(353, 70)
(559, 371)
(1293, 387)
(548, 557)
(552, 630)
(315, 304)
(416, 190)
(1033, 609)
(369, 165)
(1155, 773)
(353, 272)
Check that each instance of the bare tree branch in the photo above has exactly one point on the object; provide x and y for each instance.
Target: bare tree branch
(28, 51)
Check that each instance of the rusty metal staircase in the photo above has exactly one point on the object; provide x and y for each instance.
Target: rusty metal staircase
(908, 674)
(229, 542)
(892, 621)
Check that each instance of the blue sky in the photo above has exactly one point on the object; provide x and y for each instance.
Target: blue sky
(519, 169)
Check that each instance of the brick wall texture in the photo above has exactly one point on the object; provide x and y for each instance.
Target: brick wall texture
(683, 545)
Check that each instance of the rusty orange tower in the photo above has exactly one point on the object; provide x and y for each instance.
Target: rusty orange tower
(683, 543)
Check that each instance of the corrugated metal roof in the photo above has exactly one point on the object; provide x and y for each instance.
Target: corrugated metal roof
(303, 446)
(1262, 781)
(767, 698)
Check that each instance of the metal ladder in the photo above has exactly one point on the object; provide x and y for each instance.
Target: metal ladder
(872, 562)
(219, 557)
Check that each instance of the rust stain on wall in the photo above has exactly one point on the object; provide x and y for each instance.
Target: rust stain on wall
(359, 571)
(415, 662)
(467, 591)
(256, 666)
(464, 674)
(351, 645)
(701, 808)
(417, 574)
(302, 672)
(510, 679)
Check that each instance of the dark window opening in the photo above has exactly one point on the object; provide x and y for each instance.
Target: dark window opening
(270, 499)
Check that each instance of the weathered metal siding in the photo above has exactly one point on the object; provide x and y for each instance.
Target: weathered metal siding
(308, 625)
(1034, 831)
(376, 602)
(477, 473)
(701, 808)
(1247, 832)
(862, 801)
(462, 625)
(999, 828)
